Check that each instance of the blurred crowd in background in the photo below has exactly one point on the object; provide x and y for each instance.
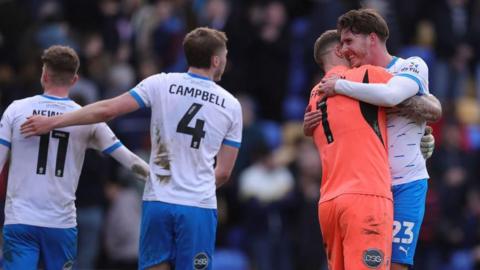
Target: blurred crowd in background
(268, 211)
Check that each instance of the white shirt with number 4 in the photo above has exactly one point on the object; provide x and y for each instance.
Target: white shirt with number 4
(192, 117)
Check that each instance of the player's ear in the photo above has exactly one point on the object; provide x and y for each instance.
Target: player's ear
(74, 79)
(45, 76)
(215, 61)
(338, 50)
(373, 38)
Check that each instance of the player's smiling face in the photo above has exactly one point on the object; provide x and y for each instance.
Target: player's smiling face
(354, 47)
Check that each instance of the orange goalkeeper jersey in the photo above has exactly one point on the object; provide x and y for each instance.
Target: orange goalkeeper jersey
(351, 139)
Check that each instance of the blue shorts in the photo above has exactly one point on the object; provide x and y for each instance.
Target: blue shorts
(408, 210)
(183, 236)
(25, 247)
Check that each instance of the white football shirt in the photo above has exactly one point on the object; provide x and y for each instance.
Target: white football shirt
(44, 170)
(406, 161)
(192, 117)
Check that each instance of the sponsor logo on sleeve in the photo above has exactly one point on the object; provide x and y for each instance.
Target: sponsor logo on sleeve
(412, 67)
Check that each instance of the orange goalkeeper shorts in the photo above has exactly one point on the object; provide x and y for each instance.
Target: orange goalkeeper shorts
(357, 231)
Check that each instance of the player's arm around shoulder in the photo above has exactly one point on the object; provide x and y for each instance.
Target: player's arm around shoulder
(423, 106)
(374, 85)
(104, 110)
(97, 112)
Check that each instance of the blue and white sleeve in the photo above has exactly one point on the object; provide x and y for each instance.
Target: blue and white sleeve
(416, 69)
(104, 139)
(6, 127)
(143, 92)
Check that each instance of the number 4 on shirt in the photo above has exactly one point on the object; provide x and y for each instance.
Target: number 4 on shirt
(197, 132)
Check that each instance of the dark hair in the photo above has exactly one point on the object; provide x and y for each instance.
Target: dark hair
(322, 43)
(62, 63)
(363, 21)
(201, 44)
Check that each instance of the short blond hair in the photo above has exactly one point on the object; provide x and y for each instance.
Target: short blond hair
(323, 43)
(62, 62)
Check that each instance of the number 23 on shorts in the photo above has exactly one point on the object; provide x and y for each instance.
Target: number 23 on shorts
(407, 228)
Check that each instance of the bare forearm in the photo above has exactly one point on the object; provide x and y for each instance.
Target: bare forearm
(422, 108)
(307, 132)
(225, 161)
(4, 151)
(221, 178)
(310, 121)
